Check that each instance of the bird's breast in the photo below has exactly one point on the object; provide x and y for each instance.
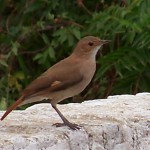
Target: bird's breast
(88, 72)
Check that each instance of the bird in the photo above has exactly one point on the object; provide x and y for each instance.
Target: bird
(65, 79)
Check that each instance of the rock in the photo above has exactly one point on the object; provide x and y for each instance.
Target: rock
(121, 122)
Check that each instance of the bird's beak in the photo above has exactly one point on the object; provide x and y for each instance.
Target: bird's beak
(105, 41)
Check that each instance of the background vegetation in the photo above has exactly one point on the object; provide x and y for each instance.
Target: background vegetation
(35, 34)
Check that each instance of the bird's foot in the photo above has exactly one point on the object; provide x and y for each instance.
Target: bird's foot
(73, 126)
(58, 124)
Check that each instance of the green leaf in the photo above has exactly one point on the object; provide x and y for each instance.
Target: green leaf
(45, 39)
(38, 56)
(77, 34)
(2, 62)
(15, 46)
(3, 103)
(50, 16)
(51, 52)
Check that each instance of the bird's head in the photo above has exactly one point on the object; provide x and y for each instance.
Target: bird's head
(89, 45)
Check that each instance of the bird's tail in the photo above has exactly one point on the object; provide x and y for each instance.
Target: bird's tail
(14, 106)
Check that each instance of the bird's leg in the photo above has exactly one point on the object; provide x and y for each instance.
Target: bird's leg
(66, 122)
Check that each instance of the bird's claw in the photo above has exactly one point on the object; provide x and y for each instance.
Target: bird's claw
(73, 126)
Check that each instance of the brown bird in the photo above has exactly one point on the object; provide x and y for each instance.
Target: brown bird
(65, 79)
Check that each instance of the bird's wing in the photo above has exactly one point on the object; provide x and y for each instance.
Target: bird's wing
(54, 80)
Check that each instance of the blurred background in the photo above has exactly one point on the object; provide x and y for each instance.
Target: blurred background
(35, 34)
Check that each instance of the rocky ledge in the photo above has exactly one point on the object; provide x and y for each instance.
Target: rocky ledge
(120, 122)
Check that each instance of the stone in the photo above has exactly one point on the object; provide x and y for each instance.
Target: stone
(120, 122)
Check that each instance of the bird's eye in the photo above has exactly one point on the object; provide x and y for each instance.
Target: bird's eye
(90, 43)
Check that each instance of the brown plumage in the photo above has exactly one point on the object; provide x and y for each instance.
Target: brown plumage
(65, 79)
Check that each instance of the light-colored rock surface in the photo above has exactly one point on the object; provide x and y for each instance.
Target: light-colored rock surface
(120, 122)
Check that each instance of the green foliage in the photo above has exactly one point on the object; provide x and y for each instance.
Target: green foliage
(36, 34)
(126, 66)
